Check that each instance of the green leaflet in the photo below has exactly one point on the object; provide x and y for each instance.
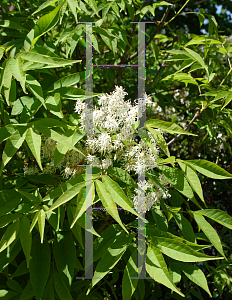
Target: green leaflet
(12, 145)
(129, 285)
(122, 175)
(118, 194)
(6, 81)
(209, 169)
(6, 132)
(9, 199)
(60, 287)
(34, 86)
(166, 126)
(33, 140)
(65, 256)
(81, 202)
(54, 105)
(195, 56)
(45, 61)
(35, 219)
(73, 7)
(14, 285)
(49, 290)
(68, 80)
(157, 268)
(105, 240)
(68, 195)
(5, 220)
(210, 232)
(184, 226)
(108, 202)
(193, 179)
(160, 219)
(148, 141)
(27, 292)
(217, 215)
(39, 265)
(45, 23)
(179, 251)
(195, 275)
(60, 138)
(111, 257)
(177, 179)
(9, 235)
(76, 229)
(44, 5)
(15, 65)
(4, 294)
(41, 224)
(160, 141)
(25, 238)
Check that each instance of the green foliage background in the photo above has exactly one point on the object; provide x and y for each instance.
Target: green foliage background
(42, 222)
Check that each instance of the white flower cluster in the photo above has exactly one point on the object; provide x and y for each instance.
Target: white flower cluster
(113, 127)
(150, 192)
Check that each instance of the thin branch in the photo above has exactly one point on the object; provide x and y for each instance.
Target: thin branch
(160, 26)
(178, 11)
(227, 58)
(197, 114)
(124, 59)
(162, 66)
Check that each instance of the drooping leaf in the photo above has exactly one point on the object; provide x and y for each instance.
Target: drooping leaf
(15, 65)
(6, 132)
(9, 199)
(45, 61)
(69, 80)
(39, 265)
(76, 229)
(160, 140)
(184, 226)
(9, 235)
(34, 86)
(56, 136)
(167, 126)
(157, 268)
(179, 251)
(28, 292)
(44, 5)
(41, 223)
(34, 142)
(81, 203)
(12, 145)
(117, 193)
(195, 275)
(5, 220)
(25, 238)
(209, 169)
(111, 257)
(210, 232)
(54, 105)
(177, 179)
(60, 287)
(65, 256)
(68, 195)
(122, 175)
(46, 23)
(193, 179)
(108, 202)
(129, 285)
(217, 215)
